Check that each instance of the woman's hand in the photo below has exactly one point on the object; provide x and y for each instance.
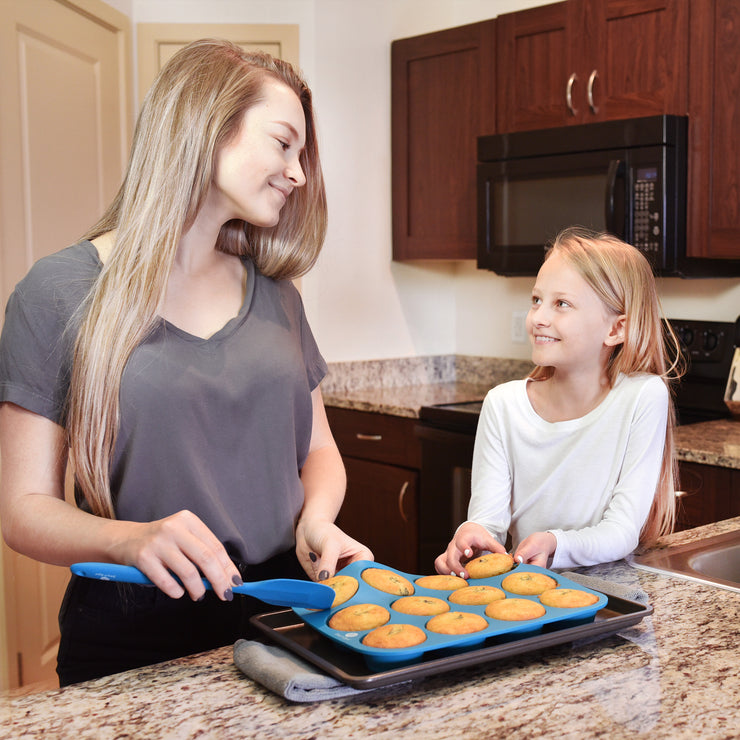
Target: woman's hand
(179, 545)
(323, 549)
(537, 549)
(470, 540)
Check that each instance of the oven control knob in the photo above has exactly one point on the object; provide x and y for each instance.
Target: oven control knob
(711, 340)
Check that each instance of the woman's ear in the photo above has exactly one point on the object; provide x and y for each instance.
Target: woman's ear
(616, 332)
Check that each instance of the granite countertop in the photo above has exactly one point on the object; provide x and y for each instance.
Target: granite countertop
(710, 443)
(673, 675)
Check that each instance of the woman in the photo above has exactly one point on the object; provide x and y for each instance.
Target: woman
(168, 352)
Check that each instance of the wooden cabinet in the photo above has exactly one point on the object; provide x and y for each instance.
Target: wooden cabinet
(443, 97)
(714, 124)
(591, 60)
(381, 456)
(707, 494)
(571, 62)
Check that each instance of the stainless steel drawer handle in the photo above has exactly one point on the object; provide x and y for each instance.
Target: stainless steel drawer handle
(369, 437)
(590, 92)
(569, 93)
(401, 496)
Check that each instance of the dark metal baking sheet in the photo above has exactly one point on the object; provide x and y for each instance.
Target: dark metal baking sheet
(289, 631)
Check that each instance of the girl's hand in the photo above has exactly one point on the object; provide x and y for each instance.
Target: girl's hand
(323, 549)
(180, 544)
(470, 540)
(537, 549)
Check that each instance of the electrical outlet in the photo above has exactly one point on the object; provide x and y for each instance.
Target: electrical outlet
(519, 327)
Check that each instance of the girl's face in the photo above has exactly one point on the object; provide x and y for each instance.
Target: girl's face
(259, 168)
(569, 326)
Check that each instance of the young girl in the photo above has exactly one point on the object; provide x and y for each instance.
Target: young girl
(169, 353)
(576, 461)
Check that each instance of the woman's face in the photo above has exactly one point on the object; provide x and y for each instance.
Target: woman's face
(259, 168)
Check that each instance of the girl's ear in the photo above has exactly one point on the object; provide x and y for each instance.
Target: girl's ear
(616, 332)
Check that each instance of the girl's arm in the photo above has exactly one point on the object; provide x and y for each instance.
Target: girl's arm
(321, 546)
(38, 522)
(617, 534)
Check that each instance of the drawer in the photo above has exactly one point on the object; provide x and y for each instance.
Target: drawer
(380, 437)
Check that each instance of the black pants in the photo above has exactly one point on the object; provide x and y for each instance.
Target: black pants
(112, 627)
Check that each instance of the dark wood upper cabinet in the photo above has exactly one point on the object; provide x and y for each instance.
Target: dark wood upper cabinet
(443, 98)
(714, 126)
(560, 64)
(591, 60)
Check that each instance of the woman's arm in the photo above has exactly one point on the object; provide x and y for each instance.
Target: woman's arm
(38, 522)
(321, 546)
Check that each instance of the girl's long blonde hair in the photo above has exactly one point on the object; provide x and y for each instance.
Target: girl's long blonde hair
(623, 279)
(195, 106)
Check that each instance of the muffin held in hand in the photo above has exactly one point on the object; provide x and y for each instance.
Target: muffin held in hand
(394, 636)
(515, 610)
(476, 595)
(388, 581)
(492, 564)
(568, 598)
(528, 584)
(456, 623)
(359, 617)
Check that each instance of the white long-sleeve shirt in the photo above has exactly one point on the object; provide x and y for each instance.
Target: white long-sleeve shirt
(590, 481)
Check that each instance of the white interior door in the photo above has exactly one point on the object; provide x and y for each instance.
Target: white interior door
(65, 123)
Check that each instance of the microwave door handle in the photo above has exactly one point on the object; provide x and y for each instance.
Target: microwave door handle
(616, 168)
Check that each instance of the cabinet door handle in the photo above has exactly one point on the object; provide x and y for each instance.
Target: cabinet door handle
(369, 437)
(401, 496)
(569, 94)
(590, 92)
(681, 494)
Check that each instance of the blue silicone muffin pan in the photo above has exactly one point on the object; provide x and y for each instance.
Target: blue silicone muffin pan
(499, 630)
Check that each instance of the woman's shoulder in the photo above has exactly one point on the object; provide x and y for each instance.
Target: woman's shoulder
(70, 270)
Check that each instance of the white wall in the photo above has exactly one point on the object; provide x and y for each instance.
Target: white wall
(361, 304)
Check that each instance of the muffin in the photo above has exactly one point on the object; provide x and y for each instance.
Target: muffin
(492, 564)
(567, 598)
(515, 610)
(424, 606)
(345, 587)
(527, 583)
(456, 623)
(476, 595)
(388, 581)
(394, 636)
(441, 583)
(359, 617)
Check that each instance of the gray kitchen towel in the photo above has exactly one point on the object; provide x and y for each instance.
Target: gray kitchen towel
(631, 593)
(287, 675)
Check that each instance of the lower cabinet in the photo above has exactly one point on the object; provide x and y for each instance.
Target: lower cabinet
(380, 509)
(707, 494)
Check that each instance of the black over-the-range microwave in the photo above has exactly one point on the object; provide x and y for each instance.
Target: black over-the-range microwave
(625, 177)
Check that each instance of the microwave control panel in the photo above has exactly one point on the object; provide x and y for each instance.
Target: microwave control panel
(647, 213)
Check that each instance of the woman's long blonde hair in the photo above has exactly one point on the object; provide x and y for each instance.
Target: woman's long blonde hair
(623, 279)
(195, 106)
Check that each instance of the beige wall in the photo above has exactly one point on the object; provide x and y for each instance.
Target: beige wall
(360, 304)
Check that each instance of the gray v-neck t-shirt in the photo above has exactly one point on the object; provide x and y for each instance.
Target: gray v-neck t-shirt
(220, 426)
